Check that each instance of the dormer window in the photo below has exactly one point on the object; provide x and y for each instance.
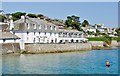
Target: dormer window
(50, 27)
(28, 26)
(39, 26)
(55, 27)
(46, 27)
(34, 26)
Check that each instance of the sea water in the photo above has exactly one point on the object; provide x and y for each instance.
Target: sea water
(85, 62)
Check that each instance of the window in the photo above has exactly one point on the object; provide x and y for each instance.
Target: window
(45, 27)
(28, 27)
(55, 34)
(34, 33)
(14, 32)
(3, 40)
(50, 34)
(50, 27)
(34, 40)
(55, 27)
(39, 33)
(34, 26)
(39, 26)
(45, 33)
(27, 32)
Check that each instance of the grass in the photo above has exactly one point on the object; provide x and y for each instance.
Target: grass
(116, 38)
(102, 38)
(95, 39)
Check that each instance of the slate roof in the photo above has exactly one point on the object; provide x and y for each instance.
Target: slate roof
(8, 35)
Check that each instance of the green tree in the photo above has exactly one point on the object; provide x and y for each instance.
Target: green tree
(118, 32)
(17, 15)
(32, 15)
(98, 32)
(90, 33)
(73, 21)
(85, 23)
(2, 18)
(40, 16)
(107, 39)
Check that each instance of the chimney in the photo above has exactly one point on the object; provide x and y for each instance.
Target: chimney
(22, 17)
(11, 24)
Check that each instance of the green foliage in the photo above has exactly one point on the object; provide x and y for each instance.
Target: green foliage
(2, 18)
(95, 39)
(17, 15)
(40, 16)
(107, 39)
(85, 23)
(32, 15)
(73, 21)
(90, 33)
(98, 32)
(118, 32)
(116, 38)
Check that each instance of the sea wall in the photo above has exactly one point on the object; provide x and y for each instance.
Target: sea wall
(43, 48)
(9, 48)
(97, 45)
(115, 43)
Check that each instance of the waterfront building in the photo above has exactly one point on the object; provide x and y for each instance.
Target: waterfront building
(35, 30)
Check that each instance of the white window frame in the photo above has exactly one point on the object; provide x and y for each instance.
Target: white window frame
(55, 27)
(50, 27)
(28, 26)
(39, 26)
(34, 26)
(45, 27)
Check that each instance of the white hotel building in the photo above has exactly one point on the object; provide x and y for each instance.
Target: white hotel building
(34, 30)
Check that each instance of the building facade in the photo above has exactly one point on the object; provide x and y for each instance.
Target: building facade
(34, 30)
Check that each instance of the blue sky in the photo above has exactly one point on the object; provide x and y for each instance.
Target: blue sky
(95, 12)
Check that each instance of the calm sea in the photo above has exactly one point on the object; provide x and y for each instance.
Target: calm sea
(87, 62)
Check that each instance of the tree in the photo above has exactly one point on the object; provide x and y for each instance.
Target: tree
(118, 32)
(85, 23)
(90, 32)
(17, 15)
(40, 16)
(2, 18)
(98, 32)
(73, 21)
(32, 15)
(107, 39)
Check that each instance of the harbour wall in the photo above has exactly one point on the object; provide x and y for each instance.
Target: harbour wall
(9, 48)
(51, 48)
(54, 48)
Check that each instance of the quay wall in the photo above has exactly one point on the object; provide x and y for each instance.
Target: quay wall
(43, 48)
(9, 48)
(53, 48)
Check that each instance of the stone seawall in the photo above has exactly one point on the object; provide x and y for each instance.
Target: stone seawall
(43, 48)
(9, 48)
(97, 45)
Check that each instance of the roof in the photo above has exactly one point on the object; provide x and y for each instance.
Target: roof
(68, 30)
(8, 35)
(58, 23)
(36, 20)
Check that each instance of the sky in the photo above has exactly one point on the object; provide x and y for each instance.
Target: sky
(95, 12)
